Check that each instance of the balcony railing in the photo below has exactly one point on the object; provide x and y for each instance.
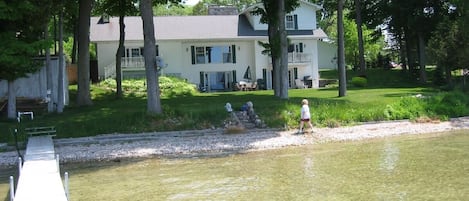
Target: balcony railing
(132, 63)
(296, 57)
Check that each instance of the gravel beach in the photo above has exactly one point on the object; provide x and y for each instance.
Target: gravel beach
(216, 142)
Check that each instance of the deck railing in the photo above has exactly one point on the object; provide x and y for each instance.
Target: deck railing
(296, 57)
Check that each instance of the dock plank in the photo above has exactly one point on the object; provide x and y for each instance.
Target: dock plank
(40, 178)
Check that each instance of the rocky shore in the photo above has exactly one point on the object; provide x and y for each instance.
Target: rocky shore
(217, 142)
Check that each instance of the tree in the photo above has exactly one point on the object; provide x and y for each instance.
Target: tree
(83, 92)
(283, 51)
(120, 8)
(201, 8)
(60, 87)
(361, 49)
(149, 52)
(20, 39)
(340, 49)
(450, 41)
(271, 14)
(172, 9)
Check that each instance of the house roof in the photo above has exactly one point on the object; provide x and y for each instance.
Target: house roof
(211, 27)
(168, 28)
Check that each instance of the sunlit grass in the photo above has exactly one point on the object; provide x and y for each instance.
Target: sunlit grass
(184, 108)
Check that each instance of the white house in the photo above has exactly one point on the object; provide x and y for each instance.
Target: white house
(214, 51)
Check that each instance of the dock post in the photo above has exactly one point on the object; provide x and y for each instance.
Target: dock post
(20, 165)
(66, 186)
(58, 163)
(12, 188)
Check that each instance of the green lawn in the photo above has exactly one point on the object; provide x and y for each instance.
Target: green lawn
(382, 99)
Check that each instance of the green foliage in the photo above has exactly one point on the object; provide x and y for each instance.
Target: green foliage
(20, 38)
(359, 81)
(171, 9)
(170, 87)
(176, 87)
(453, 104)
(406, 108)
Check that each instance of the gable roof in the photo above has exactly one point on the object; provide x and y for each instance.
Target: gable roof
(209, 27)
(168, 28)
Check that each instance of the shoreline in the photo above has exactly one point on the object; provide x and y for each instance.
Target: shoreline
(215, 142)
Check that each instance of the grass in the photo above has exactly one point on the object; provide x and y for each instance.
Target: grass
(388, 95)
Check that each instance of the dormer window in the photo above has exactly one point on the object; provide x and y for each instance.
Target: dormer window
(291, 22)
(104, 19)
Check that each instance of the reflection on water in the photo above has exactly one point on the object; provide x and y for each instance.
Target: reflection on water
(390, 156)
(427, 167)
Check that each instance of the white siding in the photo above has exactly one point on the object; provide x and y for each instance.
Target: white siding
(327, 55)
(106, 54)
(306, 18)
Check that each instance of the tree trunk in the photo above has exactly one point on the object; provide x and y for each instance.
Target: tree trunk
(75, 43)
(83, 95)
(284, 85)
(149, 53)
(341, 49)
(275, 59)
(361, 48)
(410, 59)
(60, 87)
(50, 103)
(423, 72)
(402, 53)
(119, 55)
(11, 112)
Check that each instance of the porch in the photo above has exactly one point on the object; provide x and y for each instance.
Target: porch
(132, 67)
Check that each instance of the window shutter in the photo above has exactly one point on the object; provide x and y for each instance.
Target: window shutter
(295, 19)
(193, 54)
(295, 73)
(234, 76)
(264, 75)
(233, 49)
(301, 47)
(202, 80)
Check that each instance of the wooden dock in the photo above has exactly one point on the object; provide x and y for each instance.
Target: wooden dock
(39, 177)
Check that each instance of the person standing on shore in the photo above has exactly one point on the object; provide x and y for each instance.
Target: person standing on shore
(305, 116)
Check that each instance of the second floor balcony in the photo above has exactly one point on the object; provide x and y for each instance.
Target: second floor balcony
(297, 57)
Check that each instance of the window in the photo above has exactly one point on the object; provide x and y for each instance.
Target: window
(289, 22)
(137, 52)
(200, 55)
(291, 47)
(213, 54)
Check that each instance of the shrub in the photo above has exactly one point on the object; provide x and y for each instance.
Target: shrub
(406, 108)
(359, 81)
(174, 87)
(453, 104)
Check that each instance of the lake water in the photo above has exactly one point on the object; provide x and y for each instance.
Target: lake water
(423, 167)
